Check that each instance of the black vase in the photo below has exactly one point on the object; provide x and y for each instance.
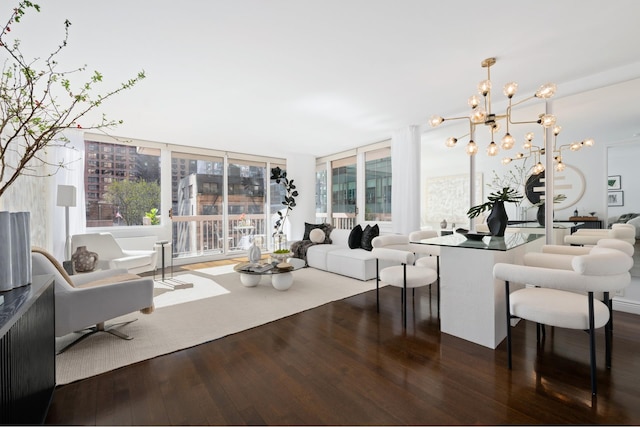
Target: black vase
(497, 219)
(540, 214)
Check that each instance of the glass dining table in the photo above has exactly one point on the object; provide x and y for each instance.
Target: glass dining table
(472, 302)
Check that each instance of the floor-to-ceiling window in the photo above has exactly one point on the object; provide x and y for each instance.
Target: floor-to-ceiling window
(360, 186)
(197, 203)
(122, 184)
(378, 185)
(247, 199)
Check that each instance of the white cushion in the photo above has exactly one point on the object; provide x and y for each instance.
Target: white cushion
(555, 307)
(316, 235)
(602, 262)
(416, 276)
(427, 261)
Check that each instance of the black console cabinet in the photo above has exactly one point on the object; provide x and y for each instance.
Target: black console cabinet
(27, 352)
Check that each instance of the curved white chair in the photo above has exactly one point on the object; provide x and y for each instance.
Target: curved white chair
(88, 300)
(112, 256)
(588, 236)
(427, 255)
(565, 298)
(405, 275)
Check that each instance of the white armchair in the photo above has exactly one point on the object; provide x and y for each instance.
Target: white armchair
(112, 256)
(404, 275)
(565, 298)
(89, 299)
(589, 236)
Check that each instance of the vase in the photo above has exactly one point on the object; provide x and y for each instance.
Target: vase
(254, 252)
(15, 251)
(280, 242)
(84, 260)
(443, 224)
(540, 214)
(497, 219)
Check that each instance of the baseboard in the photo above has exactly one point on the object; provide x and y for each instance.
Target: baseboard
(627, 306)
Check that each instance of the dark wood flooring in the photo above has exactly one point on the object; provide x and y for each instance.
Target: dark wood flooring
(345, 364)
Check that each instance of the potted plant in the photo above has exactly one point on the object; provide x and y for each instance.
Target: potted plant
(280, 239)
(497, 219)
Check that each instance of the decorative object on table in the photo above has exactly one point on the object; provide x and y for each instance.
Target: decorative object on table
(614, 182)
(66, 198)
(15, 250)
(497, 219)
(575, 212)
(477, 236)
(254, 252)
(280, 242)
(84, 260)
(281, 254)
(289, 201)
(443, 224)
(540, 215)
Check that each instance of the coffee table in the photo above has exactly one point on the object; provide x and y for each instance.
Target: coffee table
(281, 278)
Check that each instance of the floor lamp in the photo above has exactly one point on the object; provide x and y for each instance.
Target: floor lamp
(66, 198)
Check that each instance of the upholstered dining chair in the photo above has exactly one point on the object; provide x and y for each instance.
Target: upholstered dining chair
(565, 298)
(84, 302)
(396, 249)
(589, 236)
(427, 255)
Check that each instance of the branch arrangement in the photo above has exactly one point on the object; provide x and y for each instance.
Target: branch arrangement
(38, 102)
(289, 201)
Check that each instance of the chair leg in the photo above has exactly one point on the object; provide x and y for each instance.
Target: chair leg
(506, 288)
(608, 328)
(404, 314)
(592, 346)
(100, 328)
(438, 273)
(377, 286)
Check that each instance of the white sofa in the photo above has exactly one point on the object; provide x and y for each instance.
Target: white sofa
(338, 258)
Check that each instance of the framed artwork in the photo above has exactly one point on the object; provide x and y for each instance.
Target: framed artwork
(616, 198)
(614, 182)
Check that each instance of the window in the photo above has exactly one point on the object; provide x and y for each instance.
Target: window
(343, 185)
(378, 185)
(321, 189)
(123, 201)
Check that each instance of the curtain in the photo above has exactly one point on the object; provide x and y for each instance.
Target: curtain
(72, 174)
(405, 167)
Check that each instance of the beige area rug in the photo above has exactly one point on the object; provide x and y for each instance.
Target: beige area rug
(234, 308)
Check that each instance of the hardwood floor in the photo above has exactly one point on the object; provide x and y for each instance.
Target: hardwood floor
(345, 364)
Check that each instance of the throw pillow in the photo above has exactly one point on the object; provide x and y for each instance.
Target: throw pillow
(317, 235)
(355, 237)
(307, 229)
(368, 234)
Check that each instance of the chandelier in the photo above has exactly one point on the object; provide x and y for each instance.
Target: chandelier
(482, 114)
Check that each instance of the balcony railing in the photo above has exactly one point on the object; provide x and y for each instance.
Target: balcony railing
(197, 235)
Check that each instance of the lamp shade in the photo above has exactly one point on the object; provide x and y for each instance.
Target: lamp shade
(66, 195)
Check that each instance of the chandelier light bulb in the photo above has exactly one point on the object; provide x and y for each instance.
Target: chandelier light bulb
(507, 141)
(560, 166)
(527, 144)
(471, 148)
(538, 168)
(546, 91)
(451, 142)
(506, 160)
(492, 149)
(495, 126)
(575, 146)
(556, 130)
(474, 101)
(478, 115)
(529, 136)
(435, 120)
(588, 142)
(547, 120)
(484, 87)
(519, 155)
(510, 89)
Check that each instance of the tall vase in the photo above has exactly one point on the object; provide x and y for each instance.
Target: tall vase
(280, 242)
(540, 214)
(15, 236)
(497, 219)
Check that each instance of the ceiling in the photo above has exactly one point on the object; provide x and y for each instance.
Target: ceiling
(274, 77)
